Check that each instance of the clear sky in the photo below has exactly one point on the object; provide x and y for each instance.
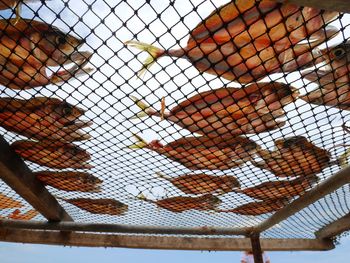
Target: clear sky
(24, 253)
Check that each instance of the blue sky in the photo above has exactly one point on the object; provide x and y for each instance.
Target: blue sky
(24, 253)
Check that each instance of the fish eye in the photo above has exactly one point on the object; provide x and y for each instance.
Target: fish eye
(250, 146)
(339, 53)
(60, 40)
(74, 151)
(293, 141)
(67, 111)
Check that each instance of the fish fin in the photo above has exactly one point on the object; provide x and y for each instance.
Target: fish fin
(142, 197)
(64, 75)
(162, 108)
(154, 54)
(320, 36)
(141, 143)
(146, 110)
(18, 10)
(342, 160)
(163, 176)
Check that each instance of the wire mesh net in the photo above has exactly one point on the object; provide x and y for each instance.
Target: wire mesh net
(220, 116)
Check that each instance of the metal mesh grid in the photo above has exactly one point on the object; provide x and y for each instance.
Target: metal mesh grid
(106, 95)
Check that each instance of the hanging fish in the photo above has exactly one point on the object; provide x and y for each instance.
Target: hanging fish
(8, 202)
(180, 204)
(57, 109)
(198, 153)
(230, 111)
(99, 206)
(30, 47)
(43, 119)
(70, 181)
(279, 189)
(17, 215)
(200, 184)
(245, 41)
(53, 154)
(257, 208)
(334, 79)
(294, 157)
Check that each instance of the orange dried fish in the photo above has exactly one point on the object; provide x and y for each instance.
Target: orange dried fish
(99, 206)
(247, 40)
(204, 152)
(334, 89)
(203, 183)
(29, 47)
(294, 156)
(8, 202)
(180, 204)
(17, 215)
(53, 154)
(43, 119)
(70, 181)
(257, 208)
(230, 111)
(279, 189)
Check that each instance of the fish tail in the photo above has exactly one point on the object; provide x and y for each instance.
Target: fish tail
(146, 110)
(154, 54)
(342, 160)
(141, 143)
(163, 176)
(142, 197)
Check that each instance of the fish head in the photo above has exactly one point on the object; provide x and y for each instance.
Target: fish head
(53, 47)
(75, 153)
(276, 95)
(250, 146)
(338, 55)
(292, 142)
(212, 200)
(65, 112)
(230, 182)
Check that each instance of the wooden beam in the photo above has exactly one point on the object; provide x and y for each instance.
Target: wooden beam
(335, 228)
(15, 173)
(324, 188)
(158, 242)
(256, 248)
(335, 5)
(114, 228)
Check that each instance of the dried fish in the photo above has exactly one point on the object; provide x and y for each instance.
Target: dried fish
(29, 47)
(203, 152)
(293, 157)
(203, 183)
(279, 189)
(99, 206)
(43, 119)
(17, 215)
(334, 89)
(247, 40)
(8, 202)
(70, 181)
(230, 111)
(180, 204)
(257, 208)
(53, 154)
